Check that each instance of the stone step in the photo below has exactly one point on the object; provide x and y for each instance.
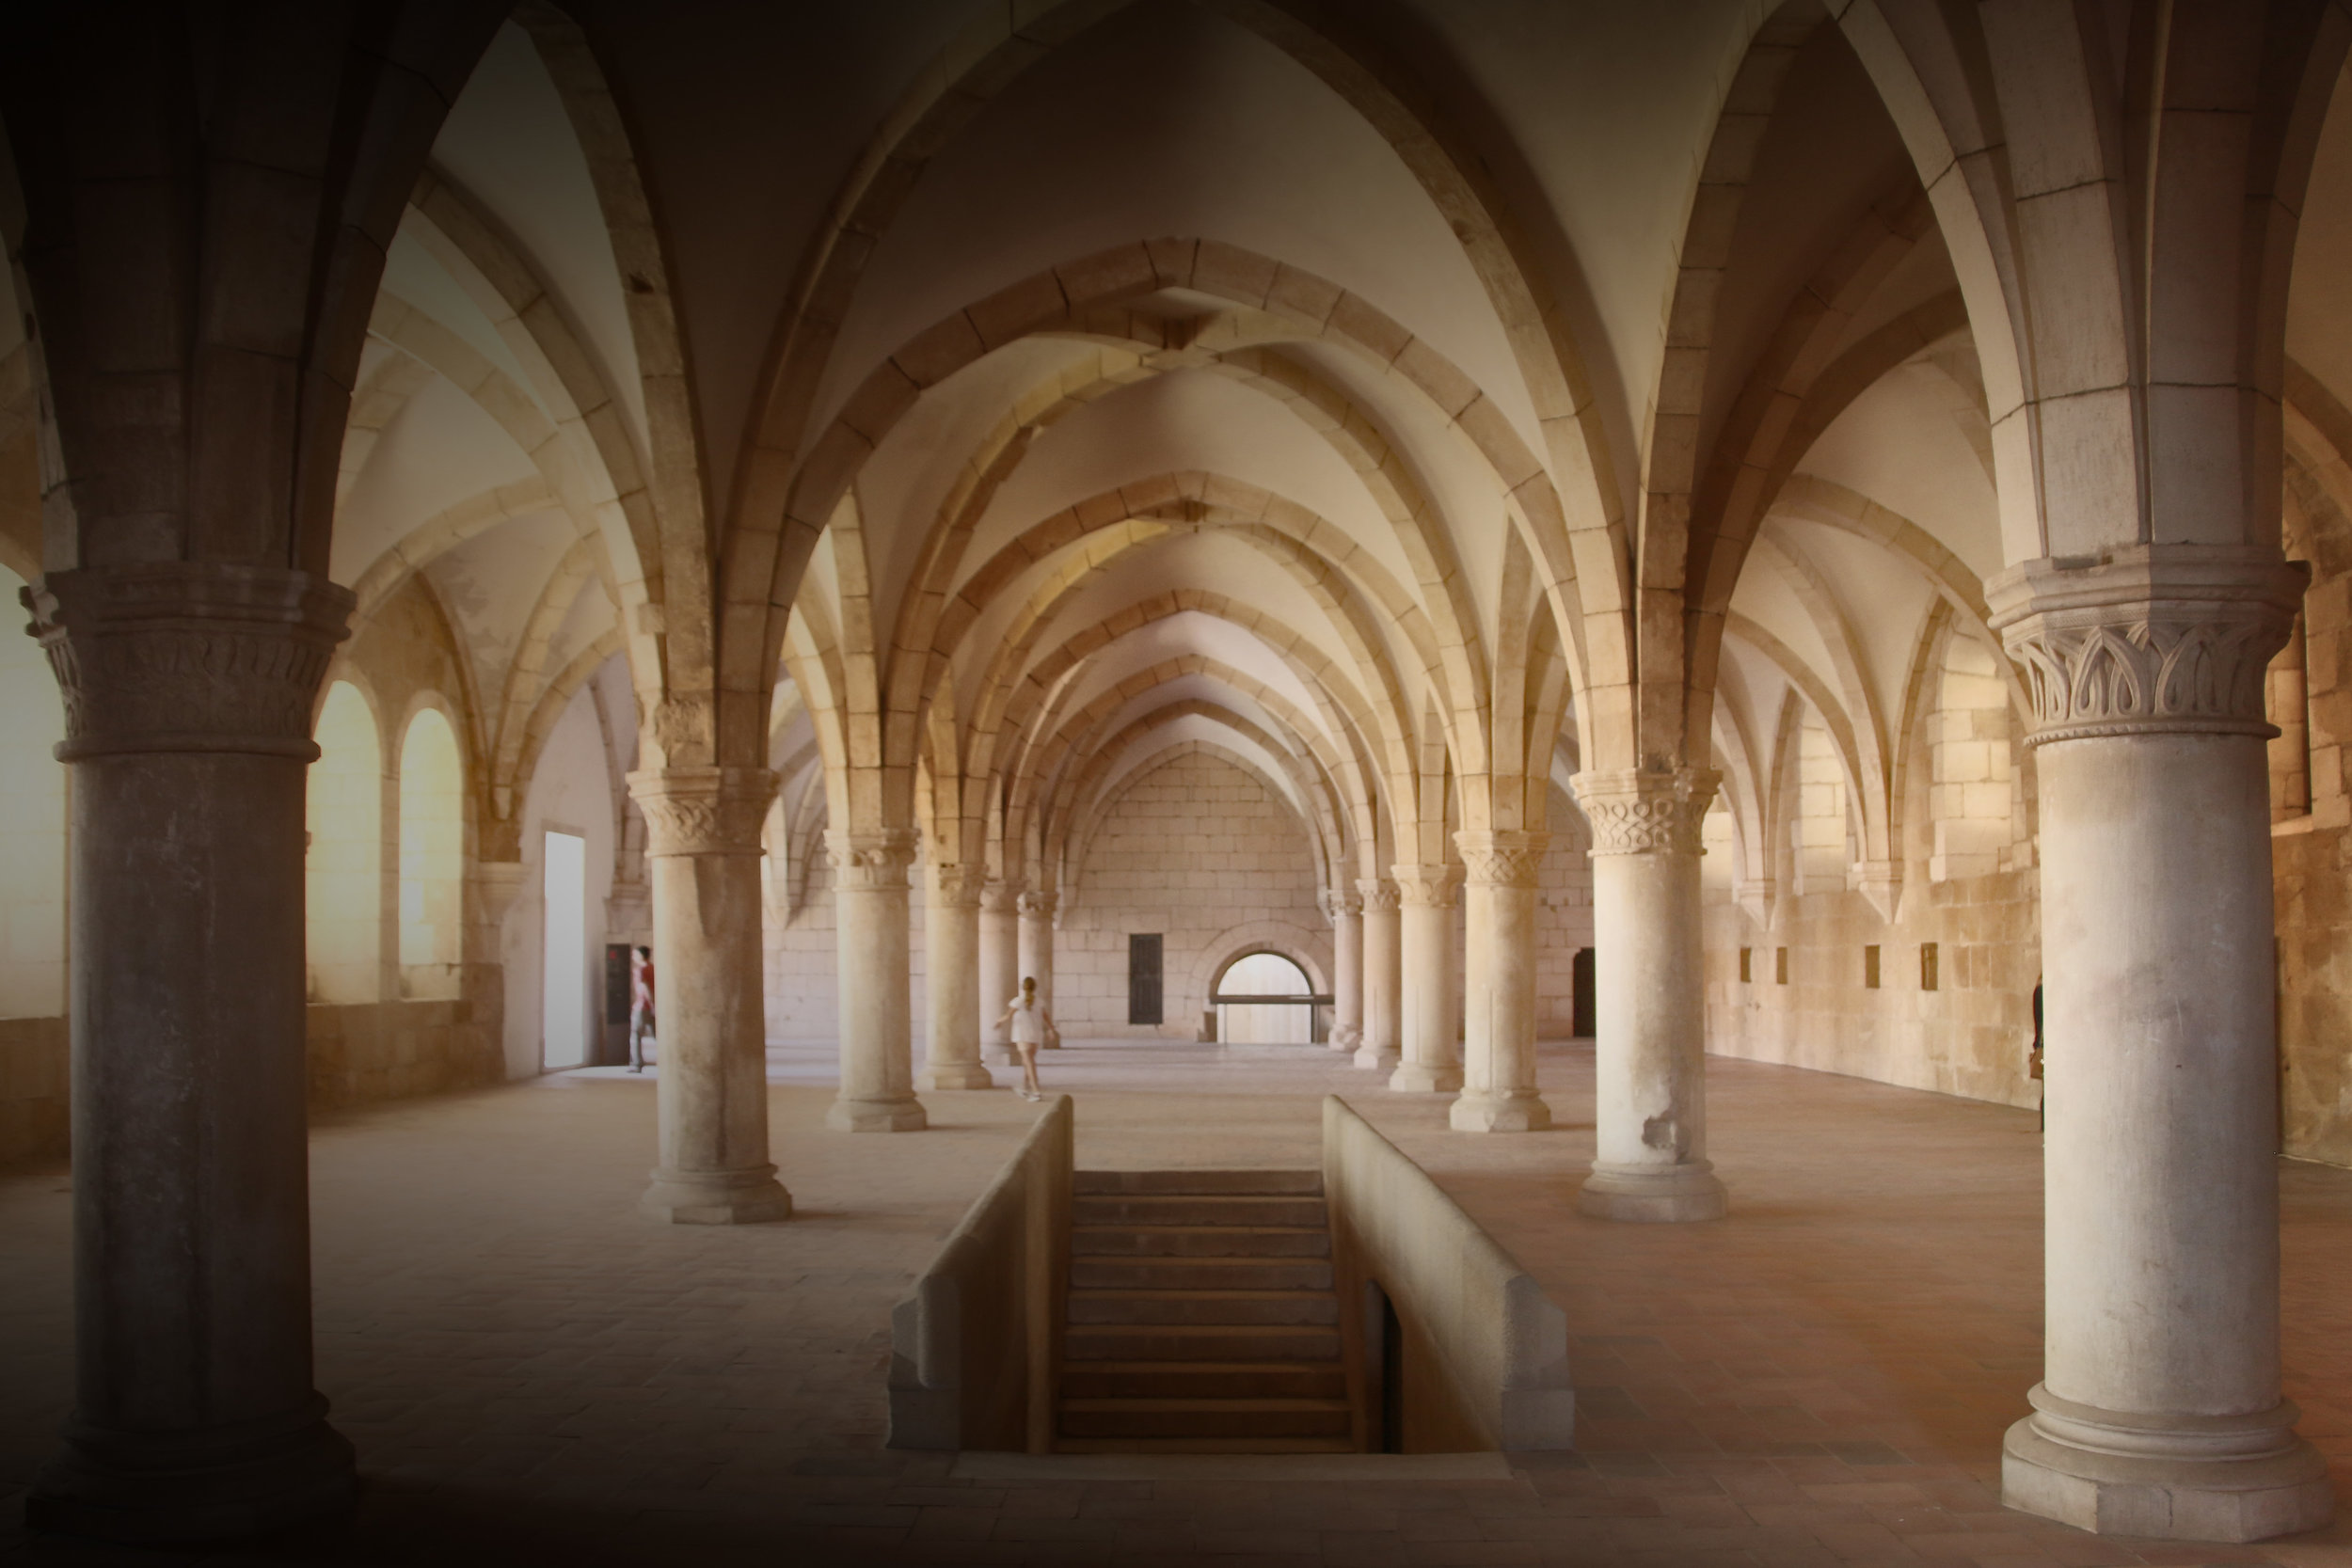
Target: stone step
(1194, 1182)
(1226, 1419)
(1194, 1209)
(1204, 1445)
(1200, 1241)
(1203, 1306)
(1201, 1342)
(1205, 1380)
(1201, 1273)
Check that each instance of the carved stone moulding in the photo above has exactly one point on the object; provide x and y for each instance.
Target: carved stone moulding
(1432, 887)
(1502, 859)
(1380, 895)
(870, 862)
(958, 886)
(1337, 904)
(1037, 906)
(2153, 640)
(999, 899)
(188, 656)
(703, 811)
(1647, 810)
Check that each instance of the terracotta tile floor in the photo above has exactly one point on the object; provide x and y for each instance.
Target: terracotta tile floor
(533, 1375)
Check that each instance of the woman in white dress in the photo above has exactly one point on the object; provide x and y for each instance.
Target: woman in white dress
(1030, 1022)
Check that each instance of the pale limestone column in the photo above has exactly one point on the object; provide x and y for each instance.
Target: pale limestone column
(951, 973)
(2159, 1411)
(870, 957)
(1650, 1070)
(1425, 898)
(1037, 947)
(187, 694)
(1382, 980)
(702, 858)
(1499, 1092)
(1345, 911)
(1000, 965)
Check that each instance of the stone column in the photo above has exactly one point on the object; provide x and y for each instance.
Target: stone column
(187, 694)
(1382, 1003)
(1000, 964)
(870, 957)
(1037, 947)
(951, 973)
(702, 858)
(1499, 1092)
(1650, 1072)
(2159, 1411)
(1345, 911)
(1425, 895)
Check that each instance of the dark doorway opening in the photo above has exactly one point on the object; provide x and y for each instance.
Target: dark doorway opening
(1584, 1007)
(1143, 977)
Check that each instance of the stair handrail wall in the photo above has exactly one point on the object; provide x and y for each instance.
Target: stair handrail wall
(974, 1344)
(1500, 1345)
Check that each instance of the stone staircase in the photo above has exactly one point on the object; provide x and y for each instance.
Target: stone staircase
(1202, 1317)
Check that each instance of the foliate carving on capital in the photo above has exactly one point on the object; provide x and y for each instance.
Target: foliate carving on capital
(1428, 887)
(2175, 641)
(999, 897)
(870, 862)
(1380, 895)
(1037, 906)
(1502, 859)
(957, 885)
(703, 811)
(187, 656)
(1337, 903)
(1647, 810)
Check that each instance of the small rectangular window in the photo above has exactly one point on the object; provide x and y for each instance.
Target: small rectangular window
(1928, 977)
(1747, 966)
(1871, 966)
(1780, 966)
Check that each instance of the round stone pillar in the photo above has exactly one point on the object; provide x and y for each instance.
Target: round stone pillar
(189, 692)
(2159, 1411)
(1650, 1041)
(702, 860)
(1345, 911)
(1382, 980)
(1037, 950)
(1499, 1092)
(869, 915)
(952, 973)
(1000, 966)
(1425, 897)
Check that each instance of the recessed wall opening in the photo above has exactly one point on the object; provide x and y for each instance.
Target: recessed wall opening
(1254, 1005)
(432, 857)
(563, 1006)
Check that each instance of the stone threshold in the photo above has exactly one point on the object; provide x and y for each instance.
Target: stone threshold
(1256, 1467)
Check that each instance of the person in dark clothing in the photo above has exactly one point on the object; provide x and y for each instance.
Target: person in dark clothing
(2033, 1061)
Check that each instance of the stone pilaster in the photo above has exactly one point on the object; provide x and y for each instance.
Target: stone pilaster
(1651, 1071)
(1383, 980)
(1499, 1092)
(2159, 1411)
(702, 857)
(951, 972)
(1037, 908)
(1426, 897)
(189, 692)
(1345, 910)
(869, 903)
(1000, 964)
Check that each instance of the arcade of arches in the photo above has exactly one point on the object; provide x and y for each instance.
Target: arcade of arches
(1839, 508)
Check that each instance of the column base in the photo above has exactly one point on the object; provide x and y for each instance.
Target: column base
(1376, 1057)
(877, 1115)
(1664, 1194)
(1425, 1078)
(2173, 1478)
(1345, 1038)
(1517, 1110)
(752, 1197)
(210, 1484)
(955, 1075)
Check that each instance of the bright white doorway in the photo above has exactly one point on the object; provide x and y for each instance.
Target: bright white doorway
(563, 1008)
(1264, 1022)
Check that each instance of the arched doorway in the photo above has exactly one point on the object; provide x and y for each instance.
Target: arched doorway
(1264, 1019)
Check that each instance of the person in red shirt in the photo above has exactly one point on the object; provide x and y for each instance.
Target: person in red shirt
(640, 1023)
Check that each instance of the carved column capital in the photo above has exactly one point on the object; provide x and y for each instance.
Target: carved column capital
(870, 862)
(1336, 902)
(1502, 859)
(1036, 906)
(1432, 887)
(1645, 811)
(703, 811)
(999, 897)
(1379, 894)
(188, 657)
(2154, 640)
(958, 886)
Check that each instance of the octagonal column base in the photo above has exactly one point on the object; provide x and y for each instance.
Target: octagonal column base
(955, 1075)
(1376, 1058)
(1500, 1111)
(877, 1115)
(1665, 1195)
(2170, 1477)
(751, 1196)
(1425, 1078)
(209, 1485)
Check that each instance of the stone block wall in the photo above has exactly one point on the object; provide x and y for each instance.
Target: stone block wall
(368, 1051)
(1564, 917)
(804, 995)
(34, 1069)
